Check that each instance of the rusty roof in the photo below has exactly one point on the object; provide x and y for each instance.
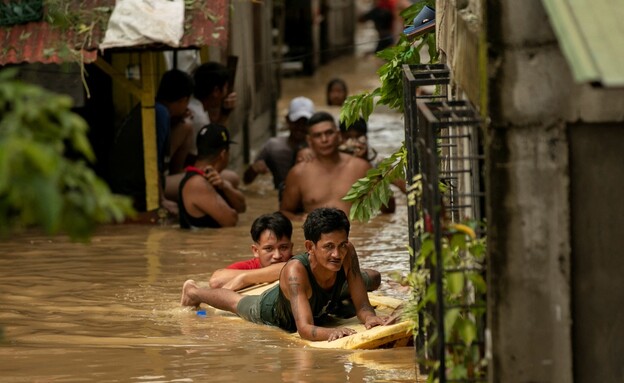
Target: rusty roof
(73, 27)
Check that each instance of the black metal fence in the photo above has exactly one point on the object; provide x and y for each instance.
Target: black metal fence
(442, 139)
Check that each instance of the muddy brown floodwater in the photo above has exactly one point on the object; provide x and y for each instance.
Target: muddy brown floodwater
(109, 311)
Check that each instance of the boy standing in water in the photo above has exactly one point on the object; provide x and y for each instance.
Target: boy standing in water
(310, 284)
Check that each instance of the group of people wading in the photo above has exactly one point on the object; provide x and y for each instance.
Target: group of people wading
(312, 175)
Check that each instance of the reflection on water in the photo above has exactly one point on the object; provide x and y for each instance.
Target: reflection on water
(109, 311)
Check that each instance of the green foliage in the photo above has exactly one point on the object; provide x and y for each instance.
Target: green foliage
(462, 255)
(464, 292)
(44, 178)
(368, 194)
(371, 192)
(390, 92)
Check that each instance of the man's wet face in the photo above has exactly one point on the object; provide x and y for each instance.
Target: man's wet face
(270, 249)
(331, 249)
(324, 137)
(298, 129)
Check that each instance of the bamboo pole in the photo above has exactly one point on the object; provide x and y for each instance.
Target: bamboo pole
(150, 155)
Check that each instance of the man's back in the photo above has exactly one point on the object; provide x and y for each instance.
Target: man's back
(202, 205)
(279, 157)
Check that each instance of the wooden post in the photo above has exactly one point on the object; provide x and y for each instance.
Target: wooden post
(148, 114)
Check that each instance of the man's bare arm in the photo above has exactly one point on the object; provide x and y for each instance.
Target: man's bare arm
(205, 199)
(357, 289)
(257, 167)
(295, 285)
(235, 197)
(238, 279)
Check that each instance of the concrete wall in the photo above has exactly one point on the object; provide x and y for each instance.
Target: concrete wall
(596, 174)
(254, 117)
(534, 225)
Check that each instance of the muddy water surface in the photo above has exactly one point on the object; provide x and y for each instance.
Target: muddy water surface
(109, 311)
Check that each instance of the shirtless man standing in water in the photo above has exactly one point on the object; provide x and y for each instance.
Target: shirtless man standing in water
(324, 180)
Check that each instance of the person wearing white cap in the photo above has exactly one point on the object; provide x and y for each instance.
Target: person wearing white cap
(278, 154)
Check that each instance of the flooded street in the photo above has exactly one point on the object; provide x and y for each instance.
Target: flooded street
(109, 311)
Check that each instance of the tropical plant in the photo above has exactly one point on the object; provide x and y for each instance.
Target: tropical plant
(368, 194)
(462, 254)
(44, 178)
(464, 289)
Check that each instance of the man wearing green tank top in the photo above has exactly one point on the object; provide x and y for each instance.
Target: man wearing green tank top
(310, 285)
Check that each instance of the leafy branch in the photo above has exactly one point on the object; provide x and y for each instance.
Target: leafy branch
(371, 192)
(390, 92)
(368, 194)
(462, 253)
(464, 288)
(44, 177)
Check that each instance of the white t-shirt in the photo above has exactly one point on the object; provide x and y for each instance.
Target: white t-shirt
(199, 120)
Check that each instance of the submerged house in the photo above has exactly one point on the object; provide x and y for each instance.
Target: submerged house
(60, 50)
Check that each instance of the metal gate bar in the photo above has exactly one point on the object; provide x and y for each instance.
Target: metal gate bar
(447, 143)
(414, 77)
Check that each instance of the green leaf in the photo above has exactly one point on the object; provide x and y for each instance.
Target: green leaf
(427, 248)
(458, 372)
(458, 241)
(478, 282)
(467, 331)
(39, 185)
(451, 316)
(431, 295)
(354, 209)
(455, 282)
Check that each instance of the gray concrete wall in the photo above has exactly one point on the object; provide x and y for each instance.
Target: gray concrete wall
(532, 101)
(528, 243)
(253, 119)
(596, 175)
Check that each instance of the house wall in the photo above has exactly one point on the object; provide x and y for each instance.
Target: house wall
(551, 304)
(596, 174)
(251, 39)
(337, 28)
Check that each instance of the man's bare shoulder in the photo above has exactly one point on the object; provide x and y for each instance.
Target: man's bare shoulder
(293, 267)
(302, 167)
(355, 163)
(199, 184)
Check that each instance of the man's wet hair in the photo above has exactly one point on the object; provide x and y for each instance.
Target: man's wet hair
(174, 85)
(209, 76)
(319, 117)
(359, 126)
(276, 222)
(325, 220)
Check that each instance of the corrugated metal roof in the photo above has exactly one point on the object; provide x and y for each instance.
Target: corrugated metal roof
(591, 36)
(205, 24)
